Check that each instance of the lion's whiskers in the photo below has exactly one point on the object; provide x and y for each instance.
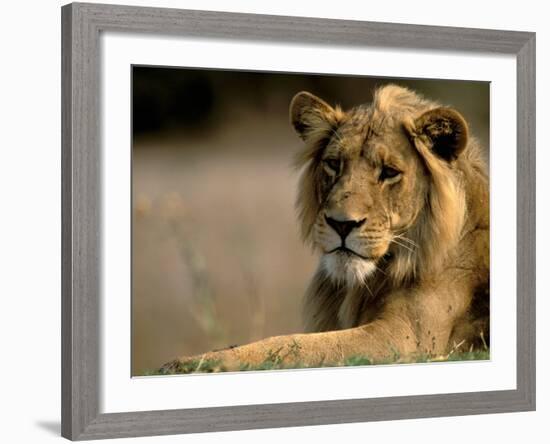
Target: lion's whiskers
(367, 286)
(406, 239)
(405, 246)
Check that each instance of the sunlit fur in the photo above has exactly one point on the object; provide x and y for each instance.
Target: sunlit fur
(448, 199)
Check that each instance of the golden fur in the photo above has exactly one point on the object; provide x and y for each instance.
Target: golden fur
(394, 197)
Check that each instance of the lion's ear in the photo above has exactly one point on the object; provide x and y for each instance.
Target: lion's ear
(446, 132)
(311, 116)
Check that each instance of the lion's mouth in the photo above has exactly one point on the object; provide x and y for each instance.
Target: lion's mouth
(347, 252)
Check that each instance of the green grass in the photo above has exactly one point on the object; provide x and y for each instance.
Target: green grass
(483, 355)
(273, 363)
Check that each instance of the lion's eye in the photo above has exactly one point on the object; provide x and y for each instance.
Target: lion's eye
(333, 164)
(388, 173)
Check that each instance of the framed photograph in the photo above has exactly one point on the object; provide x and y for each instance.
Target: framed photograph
(278, 221)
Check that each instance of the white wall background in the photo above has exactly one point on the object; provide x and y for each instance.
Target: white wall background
(30, 220)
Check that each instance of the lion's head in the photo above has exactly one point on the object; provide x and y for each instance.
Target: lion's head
(380, 187)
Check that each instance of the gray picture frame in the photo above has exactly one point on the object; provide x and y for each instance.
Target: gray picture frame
(81, 232)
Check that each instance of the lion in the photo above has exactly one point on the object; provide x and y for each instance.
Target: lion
(394, 197)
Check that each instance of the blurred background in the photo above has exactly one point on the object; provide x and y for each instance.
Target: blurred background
(216, 254)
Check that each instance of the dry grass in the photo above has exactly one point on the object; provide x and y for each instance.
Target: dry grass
(212, 366)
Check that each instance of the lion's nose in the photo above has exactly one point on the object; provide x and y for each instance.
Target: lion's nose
(344, 227)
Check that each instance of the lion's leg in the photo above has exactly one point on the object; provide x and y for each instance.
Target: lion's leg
(413, 322)
(379, 340)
